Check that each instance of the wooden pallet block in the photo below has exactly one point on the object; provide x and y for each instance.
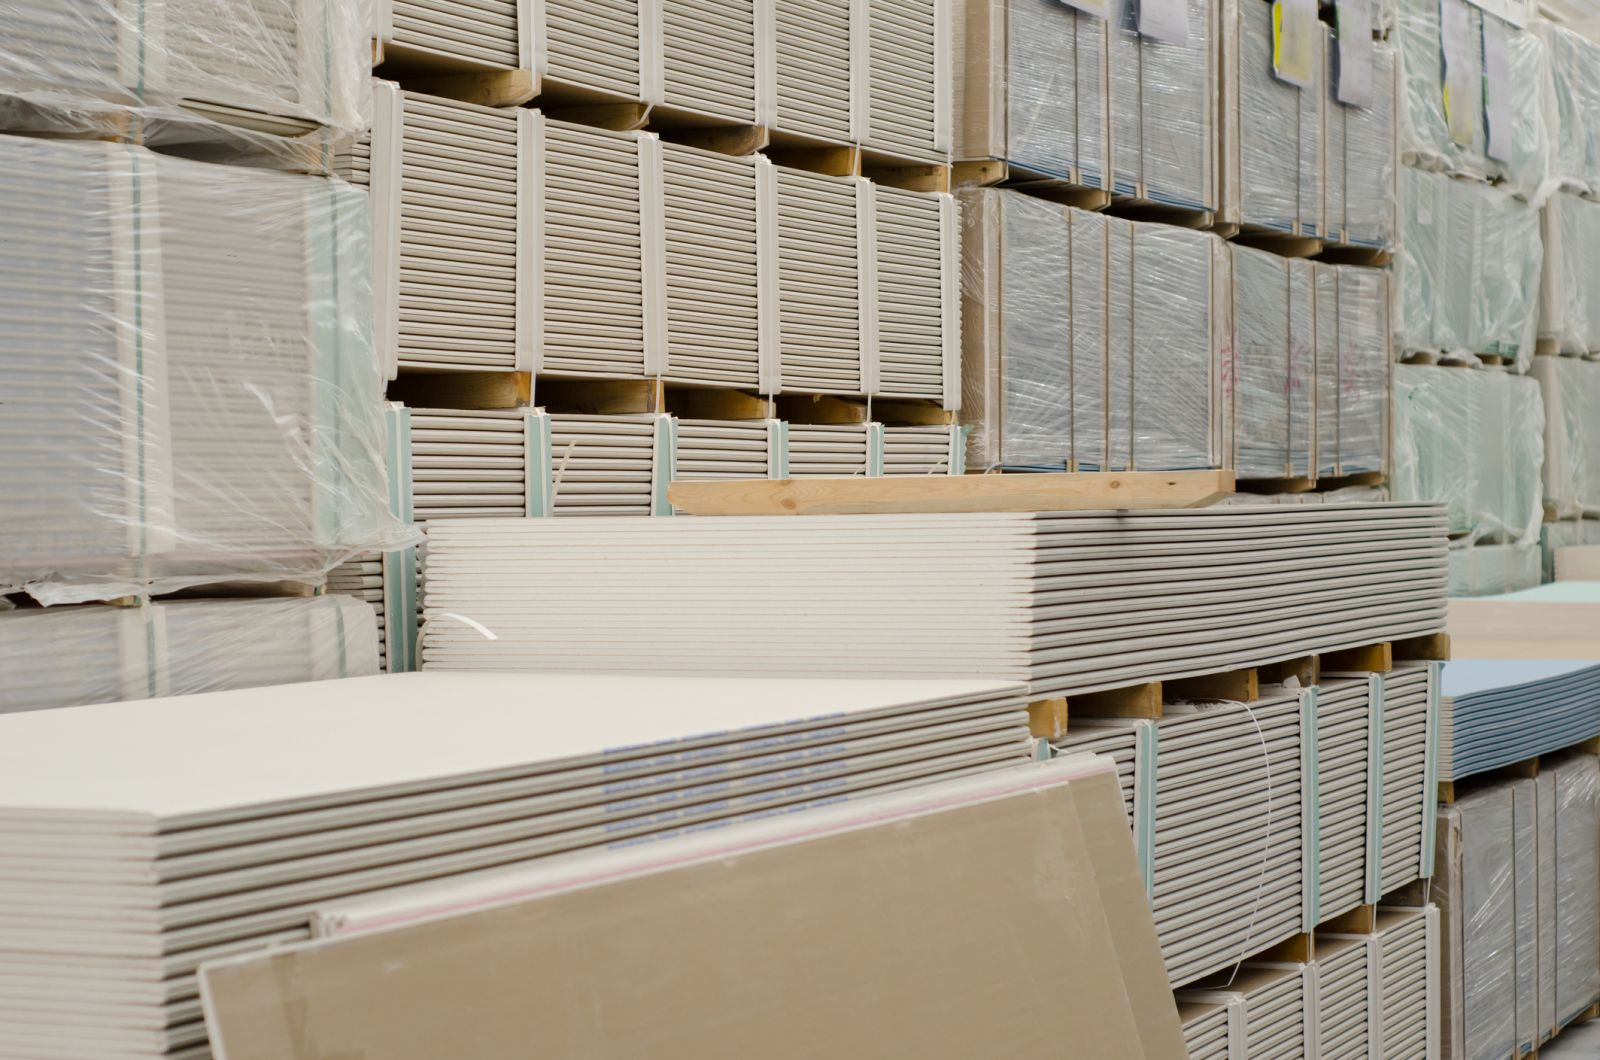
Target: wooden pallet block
(1047, 718)
(1234, 686)
(821, 409)
(1369, 658)
(1135, 701)
(715, 403)
(462, 390)
(1066, 491)
(599, 397)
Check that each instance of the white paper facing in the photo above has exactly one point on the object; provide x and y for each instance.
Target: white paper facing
(1354, 85)
(1296, 36)
(1165, 20)
(1497, 88)
(1460, 95)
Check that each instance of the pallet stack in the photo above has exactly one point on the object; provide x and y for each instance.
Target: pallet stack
(190, 382)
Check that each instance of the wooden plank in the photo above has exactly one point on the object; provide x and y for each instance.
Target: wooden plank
(1047, 718)
(1370, 658)
(1234, 686)
(1135, 701)
(1306, 671)
(911, 414)
(820, 408)
(600, 397)
(489, 88)
(1432, 647)
(463, 390)
(694, 403)
(1067, 491)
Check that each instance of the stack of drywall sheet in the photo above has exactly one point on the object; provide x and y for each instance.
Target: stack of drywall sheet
(1163, 106)
(1408, 766)
(1360, 155)
(1225, 846)
(727, 449)
(1571, 390)
(1205, 1030)
(70, 656)
(1577, 563)
(1577, 876)
(1408, 948)
(1273, 162)
(822, 311)
(832, 450)
(1344, 728)
(157, 442)
(199, 856)
(1273, 376)
(362, 578)
(1343, 993)
(1487, 570)
(1565, 533)
(1089, 342)
(1070, 602)
(916, 260)
(711, 204)
(600, 234)
(1569, 319)
(1123, 742)
(472, 464)
(606, 465)
(1353, 370)
(907, 80)
(1028, 847)
(1574, 62)
(708, 56)
(924, 450)
(489, 33)
(261, 68)
(1276, 1006)
(815, 69)
(1033, 89)
(1504, 711)
(1472, 441)
(1468, 270)
(453, 228)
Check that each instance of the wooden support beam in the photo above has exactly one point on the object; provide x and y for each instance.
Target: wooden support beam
(1067, 491)
(820, 408)
(1135, 701)
(1306, 670)
(1047, 718)
(911, 414)
(488, 88)
(599, 397)
(463, 390)
(1369, 658)
(1235, 686)
(1430, 647)
(715, 404)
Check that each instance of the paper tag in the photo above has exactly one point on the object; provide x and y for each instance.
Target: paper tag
(1295, 37)
(1460, 105)
(1165, 20)
(1355, 52)
(1497, 88)
(1098, 8)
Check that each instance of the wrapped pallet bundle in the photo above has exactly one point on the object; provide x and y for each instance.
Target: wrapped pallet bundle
(1571, 424)
(1574, 62)
(1474, 442)
(823, 224)
(912, 269)
(190, 385)
(1489, 570)
(72, 656)
(714, 57)
(1353, 370)
(814, 70)
(1123, 372)
(1569, 315)
(1577, 875)
(1272, 126)
(1469, 269)
(223, 78)
(1359, 154)
(907, 79)
(1163, 87)
(1273, 371)
(1033, 90)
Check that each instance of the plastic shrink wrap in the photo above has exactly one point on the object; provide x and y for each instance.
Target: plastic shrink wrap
(1564, 534)
(1577, 869)
(1474, 442)
(71, 656)
(1444, 110)
(1163, 108)
(1360, 156)
(1089, 342)
(190, 389)
(1476, 891)
(1574, 100)
(1272, 130)
(1489, 570)
(1571, 424)
(1468, 269)
(1354, 362)
(1271, 377)
(1569, 313)
(275, 81)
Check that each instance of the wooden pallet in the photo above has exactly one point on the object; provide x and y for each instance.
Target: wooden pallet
(997, 173)
(707, 132)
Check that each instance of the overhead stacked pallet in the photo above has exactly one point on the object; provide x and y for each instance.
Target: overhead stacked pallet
(1497, 712)
(916, 284)
(907, 80)
(233, 851)
(824, 322)
(1406, 789)
(1345, 754)
(1274, 369)
(712, 66)
(1360, 160)
(1354, 371)
(816, 69)
(1569, 319)
(1571, 391)
(71, 656)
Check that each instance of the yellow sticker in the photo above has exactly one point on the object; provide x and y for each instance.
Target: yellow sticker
(1295, 36)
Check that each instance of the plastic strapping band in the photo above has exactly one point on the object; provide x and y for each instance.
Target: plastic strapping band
(958, 449)
(1430, 780)
(1146, 755)
(400, 569)
(1310, 824)
(663, 463)
(1374, 887)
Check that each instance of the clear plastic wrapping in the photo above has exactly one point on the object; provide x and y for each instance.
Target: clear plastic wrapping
(1469, 267)
(1273, 369)
(1489, 570)
(1572, 101)
(1354, 362)
(1274, 165)
(1563, 534)
(283, 80)
(1474, 442)
(1577, 865)
(1571, 425)
(191, 390)
(1163, 109)
(1569, 314)
(1089, 341)
(1485, 923)
(72, 656)
(1360, 156)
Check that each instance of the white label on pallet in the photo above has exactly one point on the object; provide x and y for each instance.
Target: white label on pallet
(1098, 8)
(1296, 34)
(1461, 100)
(1165, 20)
(1354, 76)
(1497, 87)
